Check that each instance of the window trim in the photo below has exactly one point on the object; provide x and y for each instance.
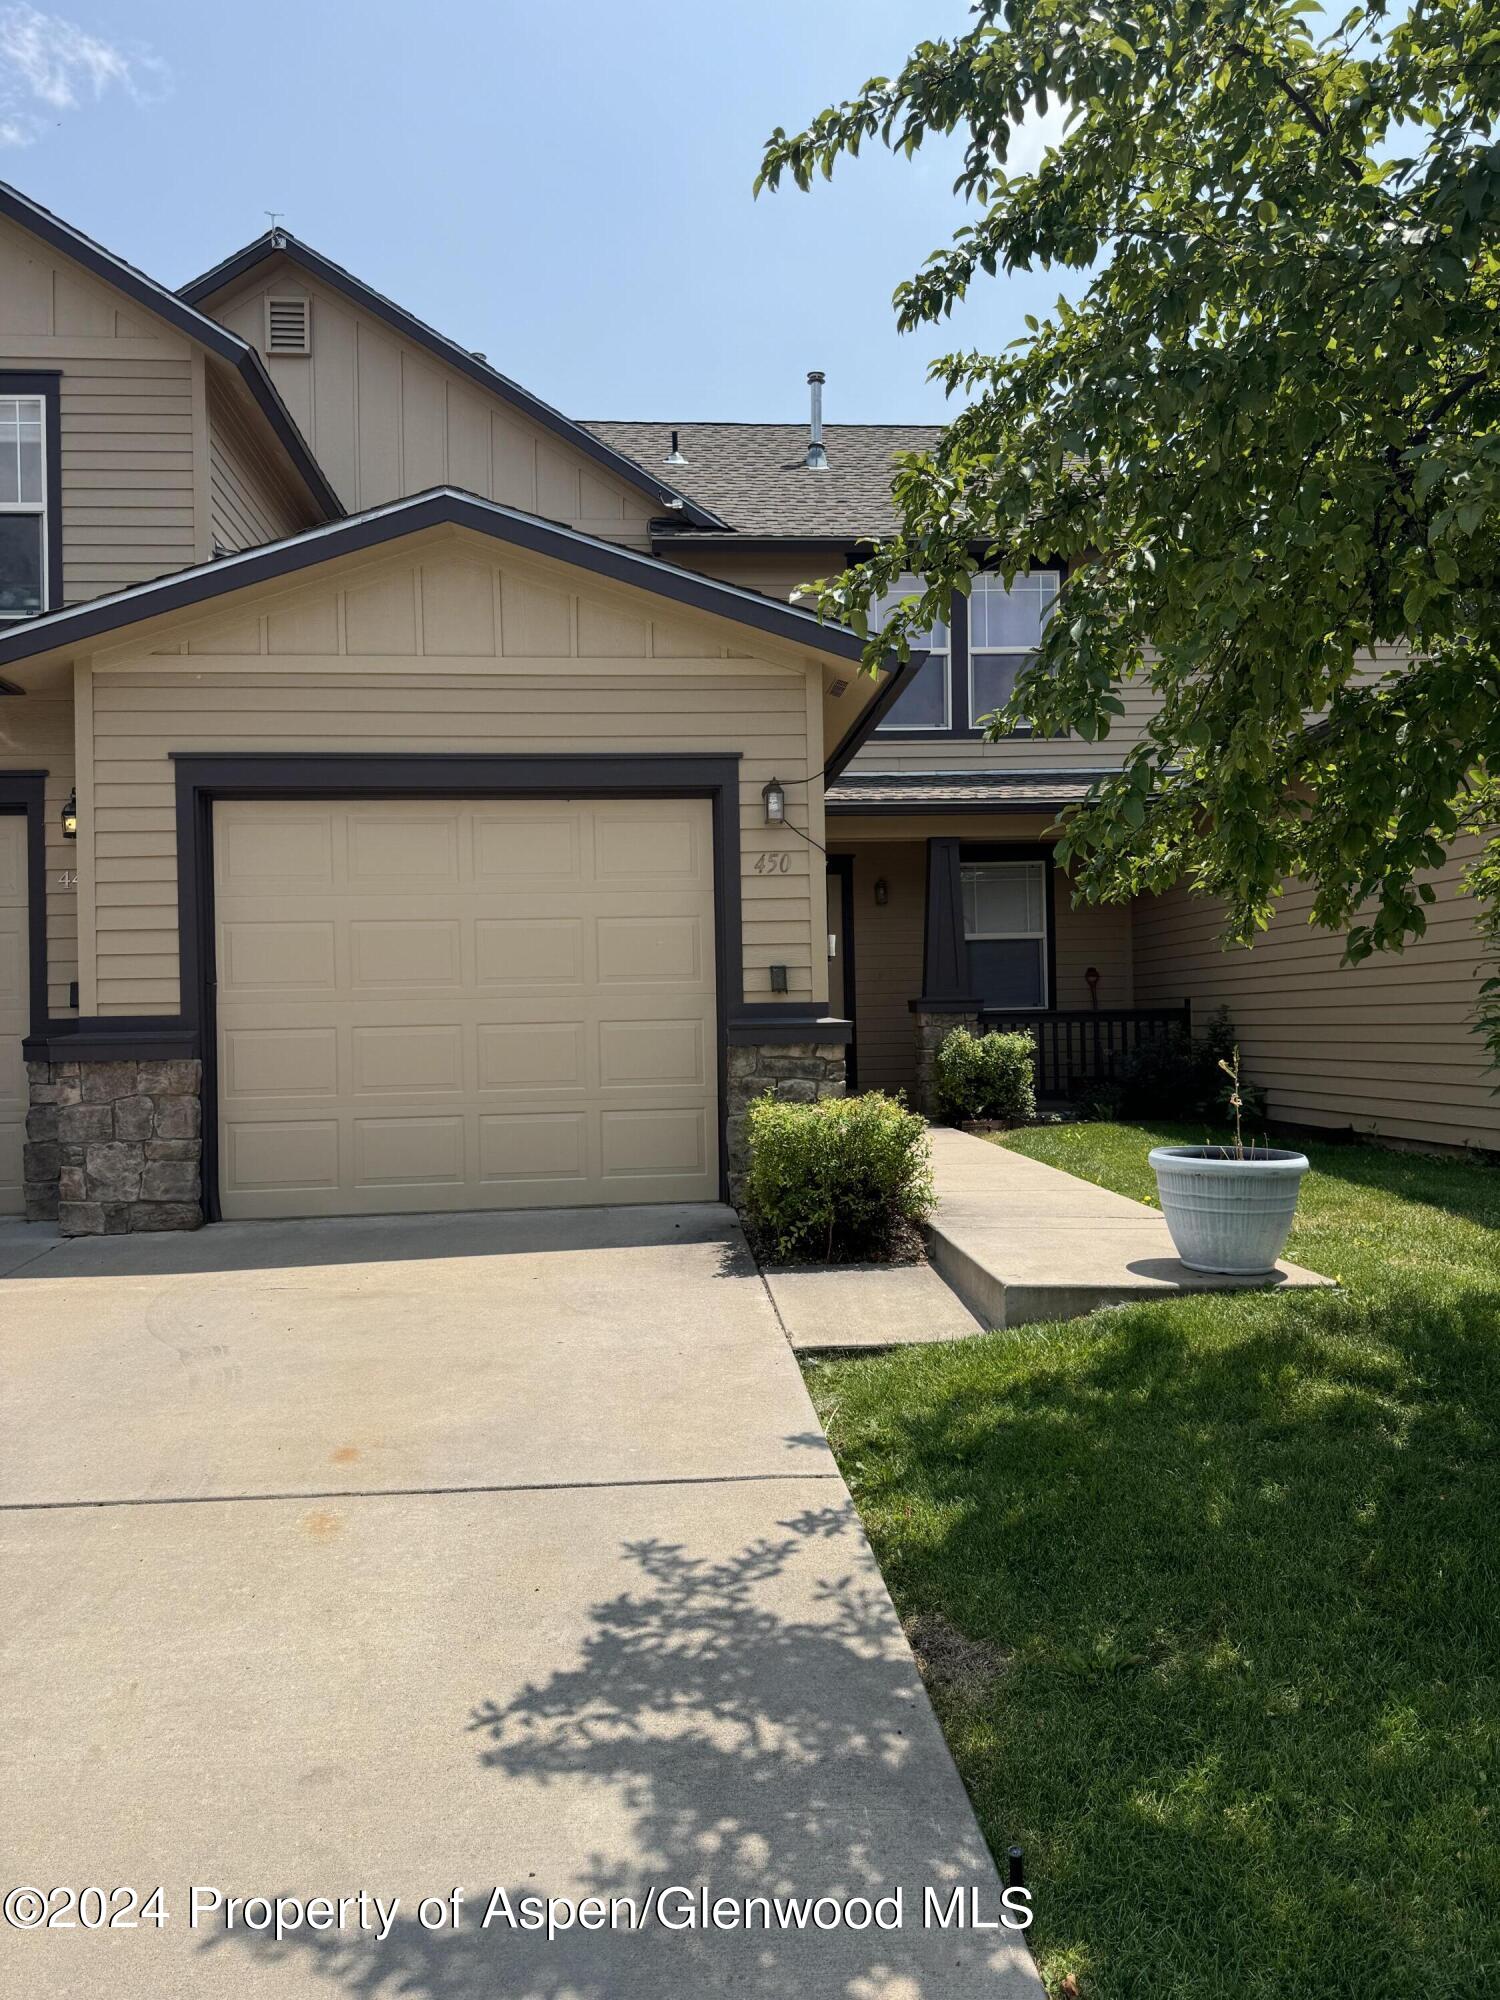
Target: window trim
(971, 853)
(45, 384)
(960, 726)
(971, 653)
(885, 727)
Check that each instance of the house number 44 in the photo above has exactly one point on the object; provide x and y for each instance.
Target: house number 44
(773, 864)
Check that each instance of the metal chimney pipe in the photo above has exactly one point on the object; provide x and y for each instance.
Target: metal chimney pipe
(817, 457)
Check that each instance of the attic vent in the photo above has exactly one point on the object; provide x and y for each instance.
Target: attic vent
(288, 326)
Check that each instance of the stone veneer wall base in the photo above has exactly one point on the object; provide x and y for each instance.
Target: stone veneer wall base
(113, 1147)
(932, 1031)
(800, 1072)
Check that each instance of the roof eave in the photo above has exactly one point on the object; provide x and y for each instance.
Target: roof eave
(440, 507)
(278, 243)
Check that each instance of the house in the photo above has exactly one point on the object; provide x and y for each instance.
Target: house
(412, 797)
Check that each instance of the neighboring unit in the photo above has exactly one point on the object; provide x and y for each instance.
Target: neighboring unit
(391, 774)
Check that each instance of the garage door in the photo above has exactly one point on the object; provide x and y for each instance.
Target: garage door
(15, 997)
(481, 1004)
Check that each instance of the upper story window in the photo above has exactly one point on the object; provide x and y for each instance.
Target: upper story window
(24, 526)
(928, 702)
(1005, 629)
(972, 671)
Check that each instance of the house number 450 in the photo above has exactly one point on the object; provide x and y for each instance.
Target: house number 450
(773, 864)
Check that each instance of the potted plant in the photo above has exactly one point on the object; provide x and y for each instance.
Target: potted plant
(1229, 1208)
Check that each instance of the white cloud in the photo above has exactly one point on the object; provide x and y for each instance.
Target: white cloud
(49, 66)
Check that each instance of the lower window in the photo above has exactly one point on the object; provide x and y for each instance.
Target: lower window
(1005, 931)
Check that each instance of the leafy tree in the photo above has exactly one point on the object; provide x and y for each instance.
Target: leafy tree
(1265, 439)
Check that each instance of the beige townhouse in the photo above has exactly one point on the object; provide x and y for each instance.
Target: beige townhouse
(413, 798)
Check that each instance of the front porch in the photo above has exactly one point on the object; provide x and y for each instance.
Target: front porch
(936, 922)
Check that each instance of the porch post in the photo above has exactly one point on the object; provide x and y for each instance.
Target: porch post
(946, 1001)
(945, 961)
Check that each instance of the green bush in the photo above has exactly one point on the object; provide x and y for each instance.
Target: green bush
(1176, 1078)
(843, 1180)
(986, 1076)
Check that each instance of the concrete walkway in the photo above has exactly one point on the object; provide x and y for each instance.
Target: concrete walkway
(482, 1551)
(1020, 1241)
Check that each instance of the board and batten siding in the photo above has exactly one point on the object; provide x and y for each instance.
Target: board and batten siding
(385, 418)
(1384, 1048)
(127, 417)
(249, 502)
(446, 653)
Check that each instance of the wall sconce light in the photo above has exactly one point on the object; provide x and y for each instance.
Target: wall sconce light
(882, 892)
(774, 795)
(70, 816)
(1091, 981)
(778, 979)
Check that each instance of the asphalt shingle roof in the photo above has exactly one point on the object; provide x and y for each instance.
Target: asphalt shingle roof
(1031, 790)
(756, 477)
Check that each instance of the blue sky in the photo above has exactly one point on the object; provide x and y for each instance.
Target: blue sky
(566, 188)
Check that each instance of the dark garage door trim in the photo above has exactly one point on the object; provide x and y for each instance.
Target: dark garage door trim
(203, 779)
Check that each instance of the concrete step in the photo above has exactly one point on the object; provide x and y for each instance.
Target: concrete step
(1019, 1241)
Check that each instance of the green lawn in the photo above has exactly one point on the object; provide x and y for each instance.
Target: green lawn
(1236, 1559)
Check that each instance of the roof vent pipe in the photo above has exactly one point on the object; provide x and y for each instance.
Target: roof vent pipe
(817, 458)
(674, 456)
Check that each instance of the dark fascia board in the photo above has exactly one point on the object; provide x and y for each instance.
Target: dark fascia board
(732, 542)
(869, 719)
(444, 506)
(166, 305)
(858, 809)
(279, 243)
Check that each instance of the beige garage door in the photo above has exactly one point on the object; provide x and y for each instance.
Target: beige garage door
(15, 998)
(477, 1004)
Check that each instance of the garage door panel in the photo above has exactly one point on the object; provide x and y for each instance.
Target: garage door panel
(660, 950)
(532, 1055)
(412, 1060)
(405, 952)
(527, 952)
(418, 1151)
(521, 1147)
(633, 1053)
(389, 851)
(280, 1062)
(281, 1155)
(541, 1030)
(288, 853)
(296, 957)
(509, 852)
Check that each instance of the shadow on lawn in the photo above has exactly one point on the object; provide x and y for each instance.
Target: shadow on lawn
(752, 1720)
(1246, 1588)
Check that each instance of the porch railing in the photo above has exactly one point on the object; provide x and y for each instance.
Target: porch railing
(1075, 1050)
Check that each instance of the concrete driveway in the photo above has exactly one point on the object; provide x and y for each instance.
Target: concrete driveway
(475, 1551)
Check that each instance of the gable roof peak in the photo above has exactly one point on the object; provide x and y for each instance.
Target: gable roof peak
(279, 241)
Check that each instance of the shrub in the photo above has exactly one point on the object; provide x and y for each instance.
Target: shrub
(986, 1076)
(1176, 1077)
(843, 1180)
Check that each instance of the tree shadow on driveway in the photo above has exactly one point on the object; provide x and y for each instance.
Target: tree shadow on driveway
(756, 1719)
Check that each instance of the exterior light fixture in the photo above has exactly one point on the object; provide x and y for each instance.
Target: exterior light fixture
(778, 979)
(70, 816)
(774, 795)
(882, 892)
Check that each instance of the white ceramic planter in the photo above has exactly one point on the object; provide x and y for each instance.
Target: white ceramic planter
(1228, 1215)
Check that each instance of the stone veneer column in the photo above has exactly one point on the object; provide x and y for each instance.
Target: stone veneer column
(932, 1029)
(800, 1072)
(115, 1146)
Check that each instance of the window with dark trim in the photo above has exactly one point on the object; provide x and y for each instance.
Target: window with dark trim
(30, 497)
(971, 670)
(1005, 931)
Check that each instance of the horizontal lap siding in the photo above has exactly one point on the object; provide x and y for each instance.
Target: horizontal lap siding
(1385, 1047)
(219, 700)
(248, 500)
(36, 734)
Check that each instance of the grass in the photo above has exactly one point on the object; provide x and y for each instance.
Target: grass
(1238, 1555)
